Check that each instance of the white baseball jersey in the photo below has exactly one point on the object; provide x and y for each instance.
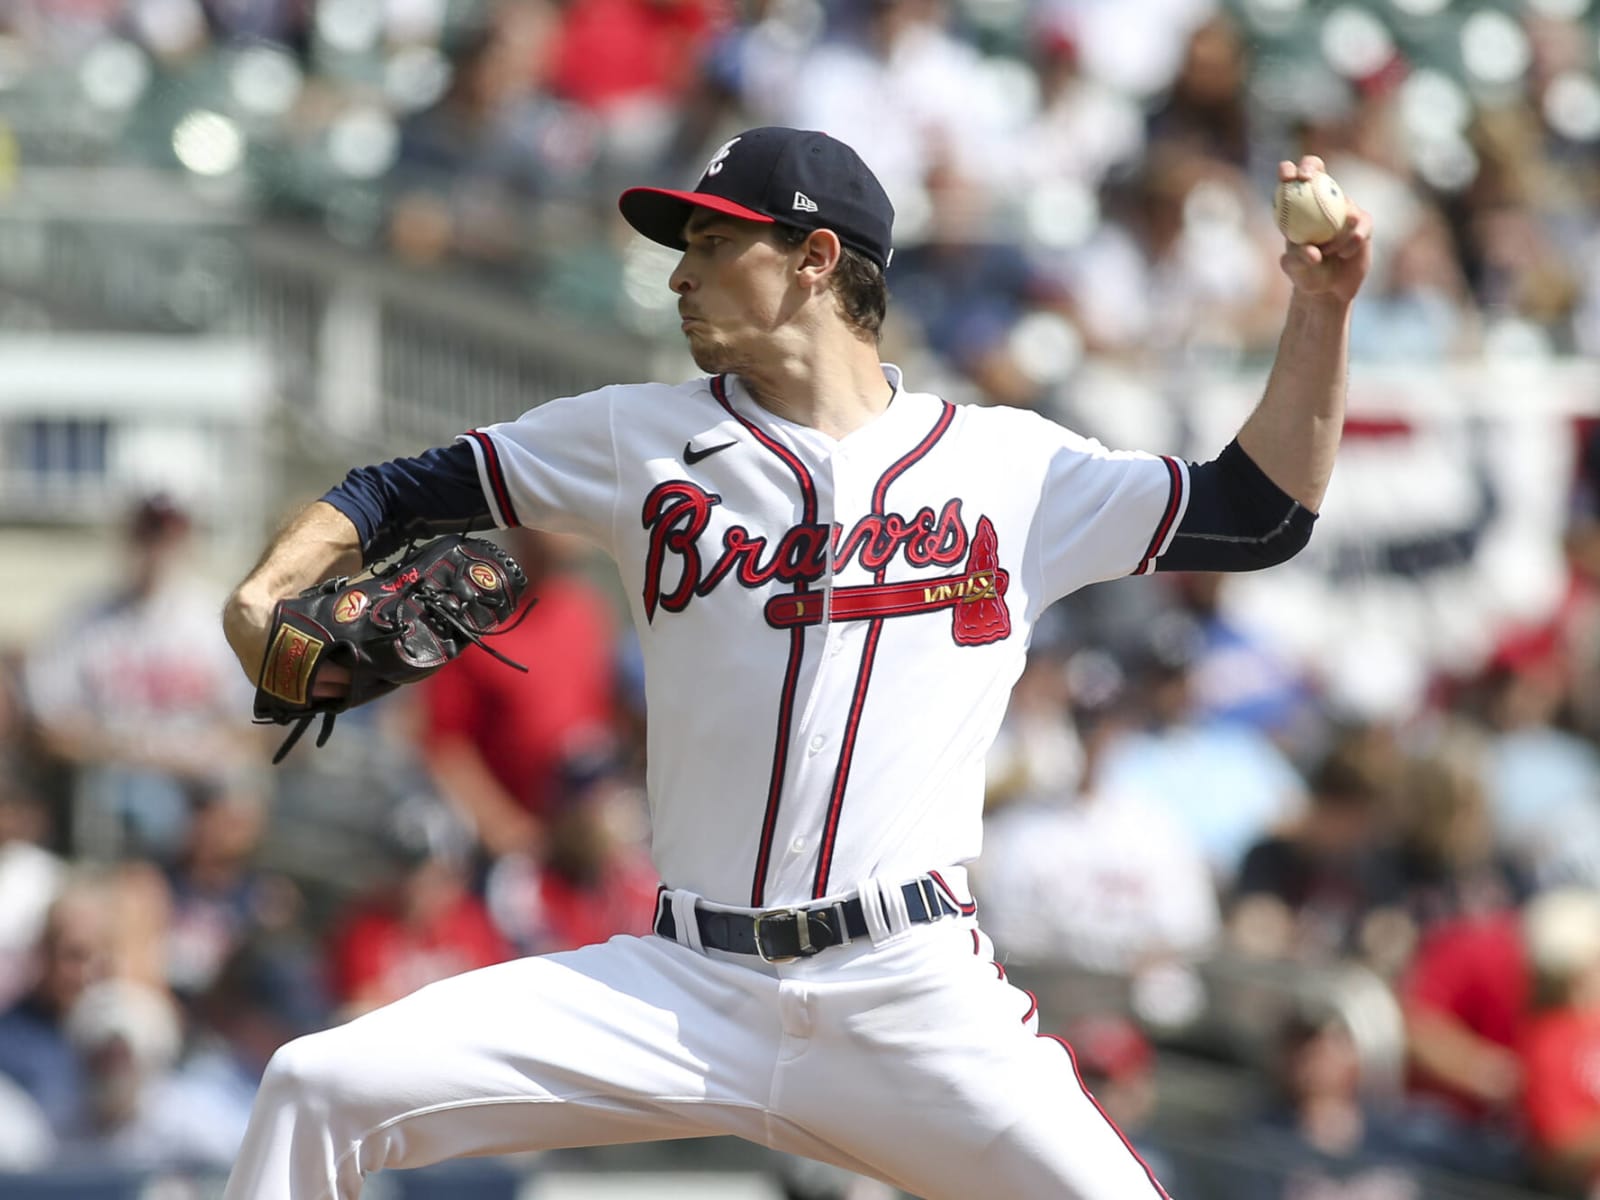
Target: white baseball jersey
(831, 628)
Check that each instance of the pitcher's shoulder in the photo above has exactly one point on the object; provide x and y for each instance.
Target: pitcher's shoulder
(1021, 428)
(655, 392)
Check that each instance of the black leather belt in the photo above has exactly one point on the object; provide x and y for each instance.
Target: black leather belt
(784, 934)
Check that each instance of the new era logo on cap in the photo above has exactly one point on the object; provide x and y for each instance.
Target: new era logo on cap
(795, 176)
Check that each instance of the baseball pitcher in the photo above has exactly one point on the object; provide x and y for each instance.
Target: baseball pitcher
(834, 577)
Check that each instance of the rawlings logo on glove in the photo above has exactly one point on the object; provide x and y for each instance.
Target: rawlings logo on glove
(397, 626)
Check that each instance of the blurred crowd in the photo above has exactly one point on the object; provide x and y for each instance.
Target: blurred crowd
(1076, 181)
(155, 949)
(1073, 179)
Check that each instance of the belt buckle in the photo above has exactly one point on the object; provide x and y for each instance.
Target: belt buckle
(803, 928)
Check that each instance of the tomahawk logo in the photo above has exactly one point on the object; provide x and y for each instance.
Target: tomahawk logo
(714, 167)
(804, 203)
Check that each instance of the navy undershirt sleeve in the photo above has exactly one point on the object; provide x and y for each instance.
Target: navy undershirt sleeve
(393, 502)
(1237, 519)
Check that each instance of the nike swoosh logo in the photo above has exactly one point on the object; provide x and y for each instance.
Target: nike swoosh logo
(692, 456)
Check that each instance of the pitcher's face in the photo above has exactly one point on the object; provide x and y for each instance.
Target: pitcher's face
(735, 286)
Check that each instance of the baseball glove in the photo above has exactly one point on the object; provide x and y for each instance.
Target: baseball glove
(394, 627)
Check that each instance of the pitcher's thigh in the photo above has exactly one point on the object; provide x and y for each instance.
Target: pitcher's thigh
(1061, 1145)
(611, 1043)
(950, 1093)
(1017, 1124)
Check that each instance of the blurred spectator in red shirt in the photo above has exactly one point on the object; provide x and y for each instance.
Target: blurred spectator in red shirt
(632, 64)
(1465, 997)
(419, 926)
(1561, 1047)
(495, 738)
(595, 878)
(611, 52)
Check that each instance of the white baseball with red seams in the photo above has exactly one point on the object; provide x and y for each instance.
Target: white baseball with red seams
(794, 748)
(830, 629)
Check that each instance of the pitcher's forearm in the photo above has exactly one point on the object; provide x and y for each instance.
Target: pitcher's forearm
(1293, 435)
(319, 542)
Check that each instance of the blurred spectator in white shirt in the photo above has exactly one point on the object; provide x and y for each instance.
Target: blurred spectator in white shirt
(1094, 875)
(31, 876)
(76, 950)
(128, 1036)
(1134, 46)
(1186, 263)
(142, 698)
(1083, 128)
(30, 879)
(908, 96)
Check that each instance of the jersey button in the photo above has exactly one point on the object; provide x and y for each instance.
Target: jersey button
(818, 742)
(798, 845)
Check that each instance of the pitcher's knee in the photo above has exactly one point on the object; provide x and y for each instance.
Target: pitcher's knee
(308, 1074)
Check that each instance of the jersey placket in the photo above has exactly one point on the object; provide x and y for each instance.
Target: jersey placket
(839, 647)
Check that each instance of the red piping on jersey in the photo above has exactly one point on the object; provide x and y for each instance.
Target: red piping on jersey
(497, 476)
(1137, 1157)
(1174, 503)
(841, 777)
(797, 647)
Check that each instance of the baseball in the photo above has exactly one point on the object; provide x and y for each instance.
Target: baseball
(1310, 211)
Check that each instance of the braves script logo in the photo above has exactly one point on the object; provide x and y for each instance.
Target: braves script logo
(677, 514)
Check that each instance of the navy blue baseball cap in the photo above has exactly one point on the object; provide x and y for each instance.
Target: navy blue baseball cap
(776, 175)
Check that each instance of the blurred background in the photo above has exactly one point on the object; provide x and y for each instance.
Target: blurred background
(1305, 865)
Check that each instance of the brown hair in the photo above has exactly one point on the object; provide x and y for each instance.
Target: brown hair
(858, 283)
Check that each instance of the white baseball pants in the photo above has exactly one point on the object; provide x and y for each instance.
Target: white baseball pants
(910, 1060)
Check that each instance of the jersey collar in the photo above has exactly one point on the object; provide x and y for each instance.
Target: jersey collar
(891, 423)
